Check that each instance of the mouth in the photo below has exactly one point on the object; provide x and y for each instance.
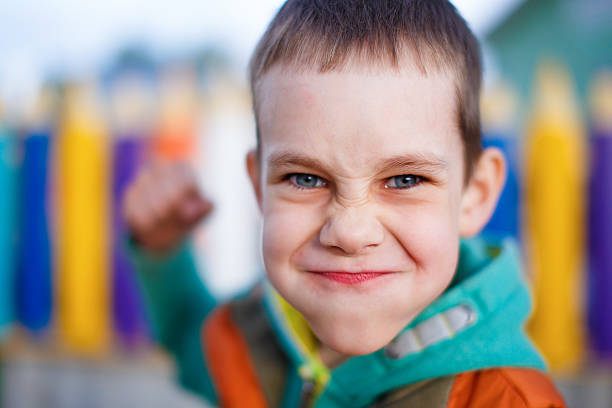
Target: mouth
(352, 278)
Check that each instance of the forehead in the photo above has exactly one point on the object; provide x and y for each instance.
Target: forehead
(358, 112)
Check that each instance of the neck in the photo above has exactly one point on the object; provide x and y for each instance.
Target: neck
(331, 358)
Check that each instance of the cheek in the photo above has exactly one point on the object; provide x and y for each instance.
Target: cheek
(430, 238)
(287, 228)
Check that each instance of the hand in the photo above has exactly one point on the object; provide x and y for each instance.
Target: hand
(162, 205)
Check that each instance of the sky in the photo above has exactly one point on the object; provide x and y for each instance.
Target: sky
(38, 37)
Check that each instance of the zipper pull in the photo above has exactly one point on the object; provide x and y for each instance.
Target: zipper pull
(308, 387)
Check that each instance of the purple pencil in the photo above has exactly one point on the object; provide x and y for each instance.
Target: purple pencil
(131, 116)
(600, 219)
(127, 305)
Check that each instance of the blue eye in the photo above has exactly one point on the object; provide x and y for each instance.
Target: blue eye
(306, 180)
(403, 181)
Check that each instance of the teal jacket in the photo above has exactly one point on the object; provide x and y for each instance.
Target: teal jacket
(477, 323)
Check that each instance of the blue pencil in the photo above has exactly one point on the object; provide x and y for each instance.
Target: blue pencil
(34, 271)
(498, 109)
(505, 219)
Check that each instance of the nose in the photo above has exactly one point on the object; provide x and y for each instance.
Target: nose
(352, 230)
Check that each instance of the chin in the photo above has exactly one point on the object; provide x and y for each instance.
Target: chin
(353, 342)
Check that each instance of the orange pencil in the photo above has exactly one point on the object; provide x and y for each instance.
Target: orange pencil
(174, 138)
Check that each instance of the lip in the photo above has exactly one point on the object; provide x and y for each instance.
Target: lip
(351, 278)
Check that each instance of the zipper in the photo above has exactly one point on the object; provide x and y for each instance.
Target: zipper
(308, 388)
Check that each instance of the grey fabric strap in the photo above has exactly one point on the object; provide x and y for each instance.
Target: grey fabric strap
(271, 363)
(437, 328)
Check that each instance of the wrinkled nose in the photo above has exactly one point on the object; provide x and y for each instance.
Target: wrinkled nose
(352, 230)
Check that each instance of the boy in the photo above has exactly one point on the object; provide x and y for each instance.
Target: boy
(368, 171)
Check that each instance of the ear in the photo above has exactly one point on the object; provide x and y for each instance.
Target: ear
(253, 168)
(479, 198)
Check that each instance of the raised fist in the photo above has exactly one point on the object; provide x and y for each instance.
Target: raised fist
(162, 205)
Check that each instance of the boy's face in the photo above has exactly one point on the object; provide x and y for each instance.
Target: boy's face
(360, 185)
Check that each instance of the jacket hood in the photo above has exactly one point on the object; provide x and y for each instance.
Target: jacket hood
(476, 323)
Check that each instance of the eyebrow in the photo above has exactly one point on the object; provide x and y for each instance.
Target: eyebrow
(412, 161)
(285, 159)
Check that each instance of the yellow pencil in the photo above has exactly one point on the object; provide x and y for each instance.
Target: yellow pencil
(554, 160)
(83, 223)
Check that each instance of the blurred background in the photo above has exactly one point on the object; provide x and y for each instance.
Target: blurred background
(89, 92)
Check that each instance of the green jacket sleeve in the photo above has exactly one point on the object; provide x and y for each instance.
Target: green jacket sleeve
(177, 303)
